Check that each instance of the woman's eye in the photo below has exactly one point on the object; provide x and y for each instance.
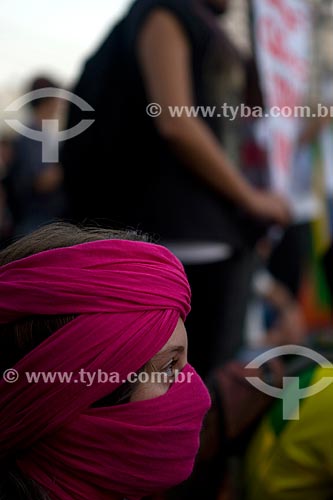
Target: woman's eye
(169, 368)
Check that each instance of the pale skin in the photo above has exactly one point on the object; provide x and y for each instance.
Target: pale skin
(164, 57)
(172, 357)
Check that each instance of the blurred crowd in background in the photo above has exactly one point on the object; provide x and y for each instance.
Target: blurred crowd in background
(284, 284)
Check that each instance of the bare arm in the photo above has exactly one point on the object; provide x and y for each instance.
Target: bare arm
(164, 56)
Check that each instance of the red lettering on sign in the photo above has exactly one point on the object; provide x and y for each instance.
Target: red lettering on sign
(284, 92)
(291, 17)
(274, 39)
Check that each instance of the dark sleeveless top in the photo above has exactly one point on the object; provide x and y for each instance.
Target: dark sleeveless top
(121, 171)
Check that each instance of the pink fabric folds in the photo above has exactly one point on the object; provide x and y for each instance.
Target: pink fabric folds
(98, 277)
(129, 297)
(135, 449)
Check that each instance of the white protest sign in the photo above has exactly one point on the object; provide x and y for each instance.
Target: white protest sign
(283, 32)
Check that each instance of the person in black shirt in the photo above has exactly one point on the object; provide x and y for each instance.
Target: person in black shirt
(34, 187)
(170, 176)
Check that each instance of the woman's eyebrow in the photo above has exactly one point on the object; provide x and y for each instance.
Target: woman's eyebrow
(170, 350)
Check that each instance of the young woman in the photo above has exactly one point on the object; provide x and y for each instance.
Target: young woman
(83, 315)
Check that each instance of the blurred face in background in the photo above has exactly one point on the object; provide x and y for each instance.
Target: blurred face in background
(47, 109)
(218, 6)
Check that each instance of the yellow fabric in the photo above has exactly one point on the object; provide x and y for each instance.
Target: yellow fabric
(296, 464)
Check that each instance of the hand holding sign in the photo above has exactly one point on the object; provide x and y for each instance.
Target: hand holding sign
(269, 206)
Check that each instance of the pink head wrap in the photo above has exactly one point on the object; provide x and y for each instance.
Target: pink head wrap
(129, 297)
